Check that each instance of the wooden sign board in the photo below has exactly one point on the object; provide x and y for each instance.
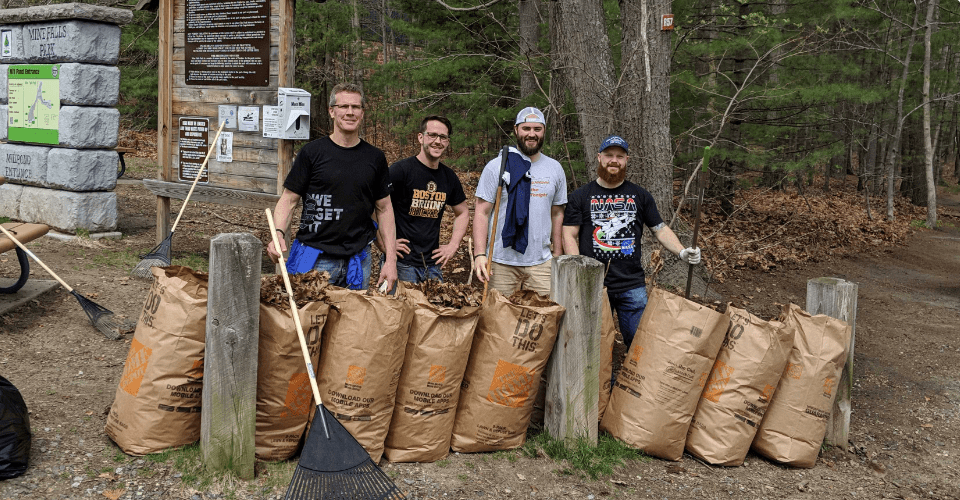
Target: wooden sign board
(215, 53)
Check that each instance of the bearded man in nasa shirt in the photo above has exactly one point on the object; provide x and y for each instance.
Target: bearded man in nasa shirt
(604, 220)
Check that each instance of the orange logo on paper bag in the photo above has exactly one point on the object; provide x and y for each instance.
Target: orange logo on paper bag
(135, 367)
(719, 377)
(511, 386)
(637, 352)
(355, 375)
(195, 374)
(828, 386)
(794, 370)
(767, 393)
(299, 395)
(437, 374)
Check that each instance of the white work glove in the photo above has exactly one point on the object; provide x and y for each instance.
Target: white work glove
(690, 255)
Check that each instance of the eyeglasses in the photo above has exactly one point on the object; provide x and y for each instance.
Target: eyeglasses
(434, 136)
(348, 107)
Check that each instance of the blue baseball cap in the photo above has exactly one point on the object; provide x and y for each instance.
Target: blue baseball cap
(614, 140)
(530, 115)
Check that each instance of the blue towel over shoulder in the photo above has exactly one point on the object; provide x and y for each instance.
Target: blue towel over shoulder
(517, 219)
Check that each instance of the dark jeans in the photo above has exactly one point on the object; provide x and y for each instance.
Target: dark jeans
(415, 274)
(629, 306)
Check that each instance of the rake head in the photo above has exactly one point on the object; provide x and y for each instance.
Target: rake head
(337, 467)
(158, 257)
(101, 317)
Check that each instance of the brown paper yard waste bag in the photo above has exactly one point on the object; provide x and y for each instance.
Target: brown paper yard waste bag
(284, 396)
(739, 388)
(661, 379)
(608, 338)
(511, 347)
(157, 404)
(435, 360)
(363, 341)
(794, 424)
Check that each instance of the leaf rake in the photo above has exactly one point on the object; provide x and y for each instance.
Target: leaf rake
(332, 465)
(159, 256)
(101, 317)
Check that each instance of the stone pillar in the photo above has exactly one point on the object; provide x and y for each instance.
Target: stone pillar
(68, 185)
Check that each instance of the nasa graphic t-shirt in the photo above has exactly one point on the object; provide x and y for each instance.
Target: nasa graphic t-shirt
(339, 188)
(419, 197)
(611, 225)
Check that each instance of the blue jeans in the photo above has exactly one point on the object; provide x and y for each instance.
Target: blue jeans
(629, 306)
(415, 274)
(337, 268)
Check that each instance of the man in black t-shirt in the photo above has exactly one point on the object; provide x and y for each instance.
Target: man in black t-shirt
(604, 220)
(342, 181)
(422, 188)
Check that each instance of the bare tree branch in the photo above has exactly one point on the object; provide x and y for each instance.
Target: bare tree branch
(468, 9)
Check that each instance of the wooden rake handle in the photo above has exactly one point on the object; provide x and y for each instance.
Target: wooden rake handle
(206, 159)
(34, 257)
(293, 309)
(493, 225)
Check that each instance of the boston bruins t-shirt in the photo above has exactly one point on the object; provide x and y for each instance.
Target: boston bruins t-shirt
(419, 197)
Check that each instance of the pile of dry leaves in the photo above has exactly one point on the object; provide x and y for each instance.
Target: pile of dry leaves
(771, 228)
(448, 294)
(307, 287)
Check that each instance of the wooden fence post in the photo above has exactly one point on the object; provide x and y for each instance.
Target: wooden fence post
(229, 417)
(837, 298)
(573, 373)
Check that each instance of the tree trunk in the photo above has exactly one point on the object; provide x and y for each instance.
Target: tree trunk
(643, 98)
(927, 138)
(889, 165)
(588, 71)
(529, 38)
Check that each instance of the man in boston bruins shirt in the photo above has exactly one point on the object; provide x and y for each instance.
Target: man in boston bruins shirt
(422, 188)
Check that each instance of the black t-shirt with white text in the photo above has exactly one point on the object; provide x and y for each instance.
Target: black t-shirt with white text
(339, 188)
(419, 197)
(611, 226)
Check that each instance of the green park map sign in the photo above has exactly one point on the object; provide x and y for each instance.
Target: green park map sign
(33, 97)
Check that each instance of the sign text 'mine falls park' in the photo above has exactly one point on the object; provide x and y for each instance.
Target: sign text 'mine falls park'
(34, 103)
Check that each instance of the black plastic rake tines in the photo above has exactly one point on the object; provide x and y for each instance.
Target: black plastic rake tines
(101, 317)
(159, 256)
(337, 467)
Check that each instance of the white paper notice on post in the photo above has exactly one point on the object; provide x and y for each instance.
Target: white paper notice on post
(225, 147)
(271, 122)
(249, 118)
(227, 113)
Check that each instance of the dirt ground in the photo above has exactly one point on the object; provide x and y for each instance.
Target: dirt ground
(906, 400)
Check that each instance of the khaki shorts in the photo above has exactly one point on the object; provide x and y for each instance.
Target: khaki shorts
(506, 279)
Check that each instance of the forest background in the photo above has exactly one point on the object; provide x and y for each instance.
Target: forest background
(783, 91)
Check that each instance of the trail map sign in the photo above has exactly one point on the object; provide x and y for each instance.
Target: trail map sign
(227, 42)
(33, 95)
(194, 143)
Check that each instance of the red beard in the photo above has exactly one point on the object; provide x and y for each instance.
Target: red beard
(609, 178)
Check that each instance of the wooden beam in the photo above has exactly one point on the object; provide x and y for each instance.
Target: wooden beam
(229, 418)
(837, 298)
(164, 112)
(574, 368)
(286, 79)
(207, 194)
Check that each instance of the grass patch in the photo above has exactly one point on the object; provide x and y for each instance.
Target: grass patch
(4, 220)
(593, 461)
(443, 463)
(193, 261)
(277, 474)
(122, 259)
(510, 455)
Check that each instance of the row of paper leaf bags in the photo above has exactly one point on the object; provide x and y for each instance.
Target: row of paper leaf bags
(408, 378)
(718, 385)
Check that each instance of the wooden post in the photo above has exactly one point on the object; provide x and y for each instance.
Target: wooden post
(229, 416)
(837, 298)
(574, 369)
(165, 112)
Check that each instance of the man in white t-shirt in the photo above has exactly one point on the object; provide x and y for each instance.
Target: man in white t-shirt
(528, 232)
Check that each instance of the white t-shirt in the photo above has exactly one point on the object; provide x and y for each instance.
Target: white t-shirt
(548, 188)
